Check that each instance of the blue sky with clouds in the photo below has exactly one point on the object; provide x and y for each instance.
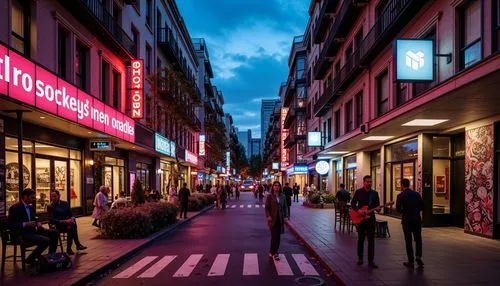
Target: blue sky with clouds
(248, 43)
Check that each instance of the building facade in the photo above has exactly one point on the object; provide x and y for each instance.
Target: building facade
(244, 137)
(266, 110)
(441, 133)
(255, 147)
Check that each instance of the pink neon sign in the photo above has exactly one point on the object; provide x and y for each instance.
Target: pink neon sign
(27, 82)
(191, 158)
(137, 88)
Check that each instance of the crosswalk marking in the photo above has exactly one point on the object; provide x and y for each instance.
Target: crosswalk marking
(188, 266)
(257, 206)
(282, 266)
(241, 206)
(250, 264)
(304, 265)
(127, 273)
(249, 206)
(233, 206)
(158, 267)
(219, 266)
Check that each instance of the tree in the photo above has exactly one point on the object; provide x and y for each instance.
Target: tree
(138, 197)
(255, 166)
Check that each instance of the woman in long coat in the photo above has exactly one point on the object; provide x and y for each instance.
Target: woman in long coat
(276, 211)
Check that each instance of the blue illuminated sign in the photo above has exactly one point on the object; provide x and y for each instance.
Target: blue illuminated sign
(164, 146)
(300, 169)
(414, 59)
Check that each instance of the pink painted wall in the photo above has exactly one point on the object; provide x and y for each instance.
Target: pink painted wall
(479, 156)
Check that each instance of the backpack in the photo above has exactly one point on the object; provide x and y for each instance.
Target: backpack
(54, 262)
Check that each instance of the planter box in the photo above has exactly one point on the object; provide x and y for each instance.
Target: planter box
(313, 206)
(328, 206)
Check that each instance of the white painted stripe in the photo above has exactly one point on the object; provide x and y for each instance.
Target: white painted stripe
(219, 266)
(257, 206)
(250, 264)
(249, 206)
(233, 206)
(282, 266)
(158, 267)
(129, 272)
(263, 206)
(304, 265)
(188, 266)
(241, 206)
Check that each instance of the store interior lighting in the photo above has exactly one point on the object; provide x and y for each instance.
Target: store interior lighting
(377, 138)
(424, 122)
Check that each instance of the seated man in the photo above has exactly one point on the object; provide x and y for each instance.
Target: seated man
(61, 216)
(22, 221)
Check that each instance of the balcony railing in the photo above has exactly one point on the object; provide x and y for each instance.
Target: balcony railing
(109, 27)
(324, 20)
(324, 101)
(394, 17)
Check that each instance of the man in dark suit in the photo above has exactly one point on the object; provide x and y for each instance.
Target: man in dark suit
(184, 195)
(343, 195)
(288, 195)
(22, 221)
(61, 216)
(410, 204)
(275, 209)
(366, 197)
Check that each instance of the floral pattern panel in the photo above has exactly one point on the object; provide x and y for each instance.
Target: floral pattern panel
(479, 180)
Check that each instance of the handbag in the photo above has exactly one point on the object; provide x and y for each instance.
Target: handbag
(54, 262)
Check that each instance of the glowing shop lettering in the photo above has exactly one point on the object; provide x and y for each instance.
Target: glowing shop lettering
(137, 80)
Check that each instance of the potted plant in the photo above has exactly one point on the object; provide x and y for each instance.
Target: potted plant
(329, 200)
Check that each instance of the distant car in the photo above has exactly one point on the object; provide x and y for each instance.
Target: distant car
(248, 185)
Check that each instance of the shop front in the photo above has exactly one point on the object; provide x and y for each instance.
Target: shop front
(166, 171)
(297, 174)
(349, 173)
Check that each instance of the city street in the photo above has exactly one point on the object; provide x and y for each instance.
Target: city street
(222, 247)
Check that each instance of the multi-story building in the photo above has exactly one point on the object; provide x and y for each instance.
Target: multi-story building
(295, 101)
(272, 146)
(255, 147)
(244, 138)
(266, 110)
(101, 93)
(441, 133)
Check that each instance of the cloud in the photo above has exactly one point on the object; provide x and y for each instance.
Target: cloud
(249, 114)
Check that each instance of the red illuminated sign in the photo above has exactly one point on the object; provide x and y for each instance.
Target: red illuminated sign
(30, 83)
(284, 134)
(137, 89)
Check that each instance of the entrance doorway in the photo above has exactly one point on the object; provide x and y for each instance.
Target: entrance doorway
(50, 174)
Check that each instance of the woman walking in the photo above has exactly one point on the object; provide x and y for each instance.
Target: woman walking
(276, 211)
(100, 205)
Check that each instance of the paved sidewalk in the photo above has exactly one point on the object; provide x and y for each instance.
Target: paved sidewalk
(100, 253)
(451, 257)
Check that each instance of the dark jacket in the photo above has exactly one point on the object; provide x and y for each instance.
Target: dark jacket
(59, 212)
(276, 211)
(18, 215)
(184, 195)
(410, 204)
(296, 190)
(288, 192)
(343, 196)
(363, 198)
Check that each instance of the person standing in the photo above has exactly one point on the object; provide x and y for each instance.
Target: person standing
(410, 204)
(288, 195)
(184, 195)
(296, 191)
(173, 194)
(261, 192)
(223, 197)
(236, 191)
(61, 216)
(342, 195)
(275, 210)
(100, 205)
(366, 197)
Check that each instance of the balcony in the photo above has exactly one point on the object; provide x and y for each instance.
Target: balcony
(289, 92)
(395, 17)
(345, 19)
(289, 140)
(324, 19)
(325, 101)
(95, 17)
(170, 47)
(290, 117)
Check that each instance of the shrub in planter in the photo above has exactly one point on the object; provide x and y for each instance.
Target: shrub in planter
(328, 198)
(203, 200)
(314, 198)
(162, 214)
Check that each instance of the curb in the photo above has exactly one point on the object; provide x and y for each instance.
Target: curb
(101, 271)
(323, 262)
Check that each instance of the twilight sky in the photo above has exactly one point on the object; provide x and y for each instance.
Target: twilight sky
(248, 43)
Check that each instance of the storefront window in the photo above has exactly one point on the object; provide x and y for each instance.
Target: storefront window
(114, 176)
(441, 175)
(43, 181)
(75, 183)
(375, 170)
(142, 171)
(12, 176)
(11, 144)
(350, 166)
(165, 177)
(406, 150)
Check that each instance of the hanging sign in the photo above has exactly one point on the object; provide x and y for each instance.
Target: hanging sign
(137, 89)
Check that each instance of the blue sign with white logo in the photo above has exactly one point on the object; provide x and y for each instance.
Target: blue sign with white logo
(300, 169)
(164, 146)
(414, 59)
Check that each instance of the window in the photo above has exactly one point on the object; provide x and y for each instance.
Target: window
(324, 135)
(421, 87)
(383, 92)
(402, 94)
(105, 81)
(148, 58)
(20, 36)
(158, 22)
(358, 39)
(441, 170)
(496, 28)
(117, 12)
(135, 39)
(349, 125)
(149, 12)
(300, 67)
(359, 109)
(81, 65)
(329, 129)
(470, 25)
(116, 89)
(62, 52)
(337, 124)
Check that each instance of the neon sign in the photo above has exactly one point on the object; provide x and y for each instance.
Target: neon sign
(137, 89)
(191, 158)
(30, 83)
(164, 146)
(201, 151)
(284, 134)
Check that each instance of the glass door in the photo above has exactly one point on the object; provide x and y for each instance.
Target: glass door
(43, 183)
(108, 181)
(61, 178)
